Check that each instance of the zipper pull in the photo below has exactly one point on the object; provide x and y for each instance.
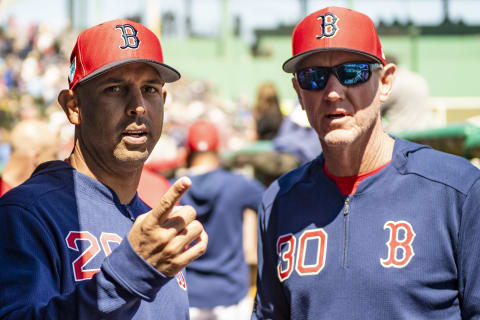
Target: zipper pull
(346, 208)
(130, 213)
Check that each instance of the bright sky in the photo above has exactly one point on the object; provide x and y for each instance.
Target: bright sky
(254, 13)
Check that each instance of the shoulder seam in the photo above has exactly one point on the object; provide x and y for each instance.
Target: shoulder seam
(444, 183)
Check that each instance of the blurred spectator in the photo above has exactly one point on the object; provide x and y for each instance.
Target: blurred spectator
(226, 204)
(6, 44)
(258, 154)
(10, 78)
(297, 137)
(408, 107)
(267, 114)
(32, 142)
(282, 143)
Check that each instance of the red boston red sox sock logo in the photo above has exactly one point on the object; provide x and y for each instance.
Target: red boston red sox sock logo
(400, 250)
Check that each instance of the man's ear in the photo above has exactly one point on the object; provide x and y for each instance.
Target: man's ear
(164, 94)
(386, 81)
(298, 90)
(69, 102)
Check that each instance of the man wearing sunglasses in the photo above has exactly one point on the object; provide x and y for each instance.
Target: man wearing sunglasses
(376, 227)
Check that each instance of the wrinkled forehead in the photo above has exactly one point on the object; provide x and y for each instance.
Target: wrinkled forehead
(332, 58)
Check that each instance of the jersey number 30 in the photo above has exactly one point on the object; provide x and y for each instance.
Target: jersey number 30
(286, 246)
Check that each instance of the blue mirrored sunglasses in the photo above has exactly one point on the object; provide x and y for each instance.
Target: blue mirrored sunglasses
(349, 74)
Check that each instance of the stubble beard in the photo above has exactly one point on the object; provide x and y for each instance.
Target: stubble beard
(130, 157)
(339, 137)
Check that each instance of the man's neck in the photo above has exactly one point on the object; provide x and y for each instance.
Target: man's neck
(204, 162)
(360, 157)
(124, 183)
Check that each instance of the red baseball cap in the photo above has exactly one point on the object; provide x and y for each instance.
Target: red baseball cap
(202, 136)
(334, 28)
(114, 43)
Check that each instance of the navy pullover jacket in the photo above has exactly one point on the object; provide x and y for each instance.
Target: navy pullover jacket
(65, 254)
(406, 245)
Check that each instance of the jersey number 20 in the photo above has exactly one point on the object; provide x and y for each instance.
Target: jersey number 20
(79, 271)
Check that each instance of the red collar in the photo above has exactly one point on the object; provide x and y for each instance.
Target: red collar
(348, 185)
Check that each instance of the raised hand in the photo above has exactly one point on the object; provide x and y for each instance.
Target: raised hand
(164, 235)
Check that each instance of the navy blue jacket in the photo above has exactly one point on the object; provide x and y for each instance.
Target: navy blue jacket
(221, 275)
(63, 256)
(406, 245)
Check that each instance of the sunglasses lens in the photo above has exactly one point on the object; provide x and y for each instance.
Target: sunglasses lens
(349, 74)
(353, 73)
(313, 78)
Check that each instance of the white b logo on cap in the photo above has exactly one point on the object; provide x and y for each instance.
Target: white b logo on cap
(130, 38)
(329, 25)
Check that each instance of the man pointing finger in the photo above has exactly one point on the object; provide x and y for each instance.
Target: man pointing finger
(76, 241)
(161, 235)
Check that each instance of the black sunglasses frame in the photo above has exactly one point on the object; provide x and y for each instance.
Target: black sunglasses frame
(335, 71)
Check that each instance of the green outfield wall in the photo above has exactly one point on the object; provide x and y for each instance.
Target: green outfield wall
(450, 64)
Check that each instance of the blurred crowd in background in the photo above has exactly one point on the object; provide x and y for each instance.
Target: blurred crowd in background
(32, 71)
(261, 135)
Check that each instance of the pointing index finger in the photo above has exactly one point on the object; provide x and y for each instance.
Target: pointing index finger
(170, 198)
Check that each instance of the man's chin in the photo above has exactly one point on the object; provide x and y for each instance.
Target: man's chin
(339, 137)
(136, 158)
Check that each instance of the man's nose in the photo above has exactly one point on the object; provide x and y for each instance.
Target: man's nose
(334, 90)
(138, 110)
(137, 103)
